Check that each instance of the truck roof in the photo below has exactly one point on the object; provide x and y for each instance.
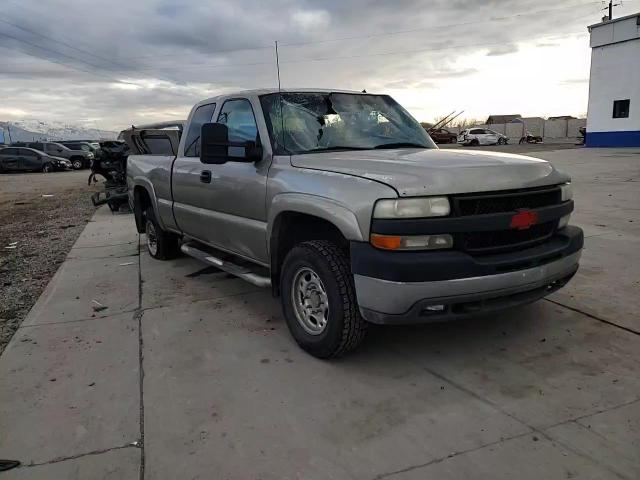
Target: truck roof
(267, 91)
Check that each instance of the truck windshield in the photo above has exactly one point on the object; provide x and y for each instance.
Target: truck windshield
(315, 122)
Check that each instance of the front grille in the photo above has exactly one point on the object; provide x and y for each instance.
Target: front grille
(504, 240)
(496, 241)
(496, 202)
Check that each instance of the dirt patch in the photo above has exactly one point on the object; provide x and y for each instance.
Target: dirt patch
(41, 216)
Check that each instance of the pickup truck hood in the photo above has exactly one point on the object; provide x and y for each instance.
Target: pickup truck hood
(413, 172)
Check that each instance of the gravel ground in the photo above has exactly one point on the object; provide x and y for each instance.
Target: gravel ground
(44, 227)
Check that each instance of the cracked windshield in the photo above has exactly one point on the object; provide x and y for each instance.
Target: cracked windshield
(315, 122)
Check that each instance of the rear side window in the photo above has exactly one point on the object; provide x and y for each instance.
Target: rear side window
(25, 152)
(477, 131)
(202, 115)
(158, 145)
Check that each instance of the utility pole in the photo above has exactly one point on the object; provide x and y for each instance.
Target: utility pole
(610, 8)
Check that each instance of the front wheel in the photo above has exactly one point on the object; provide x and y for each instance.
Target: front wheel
(46, 168)
(319, 300)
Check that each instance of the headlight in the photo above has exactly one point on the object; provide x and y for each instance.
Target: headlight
(412, 208)
(89, 155)
(566, 192)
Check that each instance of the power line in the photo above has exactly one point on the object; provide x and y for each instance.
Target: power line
(68, 45)
(73, 67)
(86, 52)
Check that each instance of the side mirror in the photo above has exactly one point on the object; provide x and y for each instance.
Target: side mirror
(217, 149)
(214, 143)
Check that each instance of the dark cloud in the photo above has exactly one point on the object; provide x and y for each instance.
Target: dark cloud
(125, 61)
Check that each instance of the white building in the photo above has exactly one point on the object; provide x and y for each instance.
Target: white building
(613, 118)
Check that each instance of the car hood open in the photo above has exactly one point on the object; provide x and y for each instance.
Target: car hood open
(413, 172)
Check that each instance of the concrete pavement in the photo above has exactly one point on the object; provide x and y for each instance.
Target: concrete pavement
(190, 373)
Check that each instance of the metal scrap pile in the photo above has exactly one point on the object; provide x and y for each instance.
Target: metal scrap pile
(113, 167)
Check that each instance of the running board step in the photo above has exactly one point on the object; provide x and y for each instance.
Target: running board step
(239, 271)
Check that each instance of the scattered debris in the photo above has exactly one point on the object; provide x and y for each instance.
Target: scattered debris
(126, 263)
(8, 465)
(98, 307)
(47, 195)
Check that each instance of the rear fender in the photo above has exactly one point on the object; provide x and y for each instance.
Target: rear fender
(148, 186)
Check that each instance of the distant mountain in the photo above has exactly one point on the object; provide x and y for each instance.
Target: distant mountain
(30, 130)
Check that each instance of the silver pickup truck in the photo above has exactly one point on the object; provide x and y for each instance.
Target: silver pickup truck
(343, 205)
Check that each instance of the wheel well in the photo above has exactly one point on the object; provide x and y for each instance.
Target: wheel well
(141, 201)
(292, 228)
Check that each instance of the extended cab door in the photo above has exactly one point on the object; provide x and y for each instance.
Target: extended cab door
(224, 205)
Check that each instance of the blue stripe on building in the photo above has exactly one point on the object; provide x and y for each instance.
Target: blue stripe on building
(613, 139)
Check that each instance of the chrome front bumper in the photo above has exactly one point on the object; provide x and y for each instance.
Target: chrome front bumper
(390, 302)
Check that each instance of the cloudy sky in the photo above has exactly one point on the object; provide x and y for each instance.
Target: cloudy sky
(113, 63)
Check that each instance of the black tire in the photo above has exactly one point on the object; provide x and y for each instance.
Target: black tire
(161, 245)
(77, 163)
(47, 168)
(501, 141)
(474, 142)
(345, 329)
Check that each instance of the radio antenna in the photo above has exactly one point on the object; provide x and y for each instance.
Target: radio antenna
(280, 97)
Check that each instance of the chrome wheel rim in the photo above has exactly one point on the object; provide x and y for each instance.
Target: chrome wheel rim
(310, 301)
(77, 165)
(152, 238)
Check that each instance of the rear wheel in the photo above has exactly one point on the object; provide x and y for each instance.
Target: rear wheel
(160, 244)
(319, 301)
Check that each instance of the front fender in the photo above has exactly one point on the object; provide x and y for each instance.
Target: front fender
(327, 209)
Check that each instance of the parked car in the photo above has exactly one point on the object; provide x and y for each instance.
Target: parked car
(78, 158)
(85, 146)
(343, 205)
(14, 159)
(442, 135)
(481, 136)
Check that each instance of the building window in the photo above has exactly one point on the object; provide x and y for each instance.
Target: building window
(621, 108)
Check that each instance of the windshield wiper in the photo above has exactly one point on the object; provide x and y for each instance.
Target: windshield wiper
(400, 145)
(336, 147)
